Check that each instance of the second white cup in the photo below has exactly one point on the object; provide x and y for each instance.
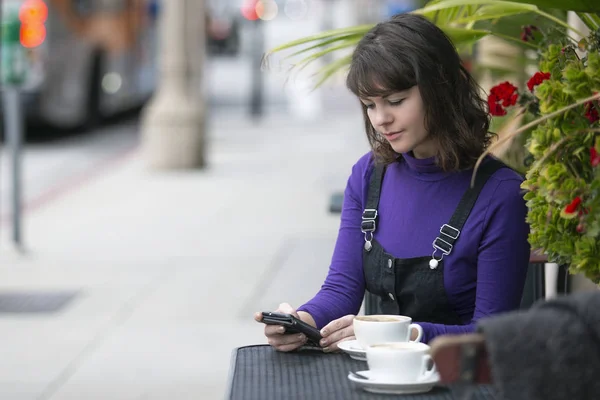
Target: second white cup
(406, 362)
(371, 329)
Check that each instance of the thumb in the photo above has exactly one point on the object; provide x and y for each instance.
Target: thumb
(287, 309)
(257, 317)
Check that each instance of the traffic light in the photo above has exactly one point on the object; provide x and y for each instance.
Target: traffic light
(33, 15)
(248, 10)
(265, 10)
(12, 55)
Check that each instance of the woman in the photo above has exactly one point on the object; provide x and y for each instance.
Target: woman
(404, 236)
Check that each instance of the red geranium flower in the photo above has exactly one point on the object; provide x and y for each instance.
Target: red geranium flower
(594, 157)
(527, 32)
(574, 209)
(536, 79)
(591, 113)
(502, 95)
(506, 92)
(495, 108)
(572, 206)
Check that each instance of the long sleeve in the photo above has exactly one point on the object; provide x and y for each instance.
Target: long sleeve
(344, 288)
(503, 258)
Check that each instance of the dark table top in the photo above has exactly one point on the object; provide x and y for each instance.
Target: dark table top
(261, 373)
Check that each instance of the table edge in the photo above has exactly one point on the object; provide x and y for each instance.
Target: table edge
(232, 361)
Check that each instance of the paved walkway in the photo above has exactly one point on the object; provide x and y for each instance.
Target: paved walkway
(168, 267)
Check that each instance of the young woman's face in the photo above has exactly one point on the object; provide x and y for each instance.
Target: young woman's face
(400, 119)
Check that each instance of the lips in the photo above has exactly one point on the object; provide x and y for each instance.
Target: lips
(393, 135)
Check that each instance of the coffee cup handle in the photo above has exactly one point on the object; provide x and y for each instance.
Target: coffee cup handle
(426, 372)
(419, 330)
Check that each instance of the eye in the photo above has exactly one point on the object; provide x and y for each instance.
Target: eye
(369, 106)
(396, 102)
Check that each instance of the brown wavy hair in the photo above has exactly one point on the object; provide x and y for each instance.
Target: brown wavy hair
(409, 50)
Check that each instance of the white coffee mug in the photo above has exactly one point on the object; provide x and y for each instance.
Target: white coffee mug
(406, 362)
(371, 329)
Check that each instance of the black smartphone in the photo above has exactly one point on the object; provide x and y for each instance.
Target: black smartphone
(292, 325)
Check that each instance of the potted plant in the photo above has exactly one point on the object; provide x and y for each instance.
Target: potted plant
(563, 183)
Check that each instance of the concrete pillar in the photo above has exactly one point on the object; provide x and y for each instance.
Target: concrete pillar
(304, 102)
(576, 22)
(550, 280)
(172, 125)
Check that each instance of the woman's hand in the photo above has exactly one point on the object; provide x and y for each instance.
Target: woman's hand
(337, 331)
(276, 335)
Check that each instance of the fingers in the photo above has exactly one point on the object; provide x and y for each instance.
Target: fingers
(287, 342)
(337, 331)
(330, 342)
(276, 335)
(337, 324)
(297, 339)
(273, 330)
(285, 308)
(288, 348)
(334, 346)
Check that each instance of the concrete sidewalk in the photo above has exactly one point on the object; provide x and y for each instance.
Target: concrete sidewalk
(168, 267)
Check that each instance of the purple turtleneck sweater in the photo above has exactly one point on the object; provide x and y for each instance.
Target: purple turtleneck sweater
(484, 274)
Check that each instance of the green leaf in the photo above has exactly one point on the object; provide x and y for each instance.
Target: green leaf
(464, 36)
(447, 15)
(591, 6)
(330, 69)
(445, 4)
(592, 21)
(324, 36)
(492, 11)
(349, 40)
(306, 61)
(579, 150)
(514, 5)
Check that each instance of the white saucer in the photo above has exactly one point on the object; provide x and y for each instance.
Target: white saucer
(374, 386)
(353, 349)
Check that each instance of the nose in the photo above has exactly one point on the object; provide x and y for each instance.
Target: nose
(381, 118)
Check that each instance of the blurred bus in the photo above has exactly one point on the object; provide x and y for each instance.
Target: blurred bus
(92, 59)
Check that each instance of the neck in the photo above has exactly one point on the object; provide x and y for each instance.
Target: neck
(423, 154)
(424, 150)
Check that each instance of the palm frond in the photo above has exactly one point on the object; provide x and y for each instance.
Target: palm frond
(331, 69)
(327, 35)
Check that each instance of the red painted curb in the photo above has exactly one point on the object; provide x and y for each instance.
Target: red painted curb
(71, 184)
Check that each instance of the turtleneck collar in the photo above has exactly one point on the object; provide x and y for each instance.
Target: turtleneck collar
(423, 167)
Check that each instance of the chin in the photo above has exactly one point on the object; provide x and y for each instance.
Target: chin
(401, 149)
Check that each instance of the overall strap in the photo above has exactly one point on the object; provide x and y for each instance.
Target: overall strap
(450, 232)
(369, 215)
(374, 191)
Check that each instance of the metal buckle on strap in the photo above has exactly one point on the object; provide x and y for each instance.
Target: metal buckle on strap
(367, 226)
(454, 233)
(369, 214)
(442, 245)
